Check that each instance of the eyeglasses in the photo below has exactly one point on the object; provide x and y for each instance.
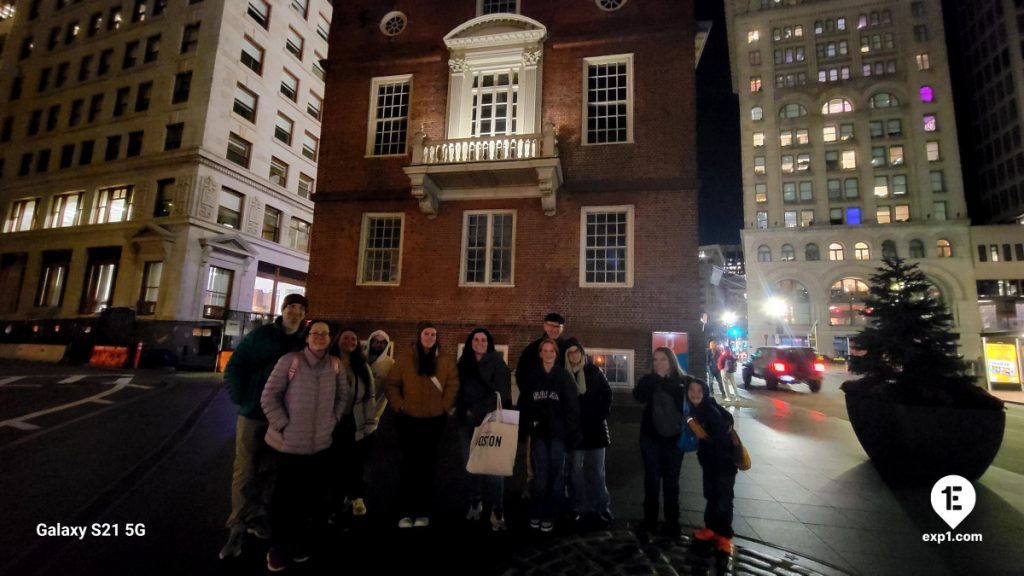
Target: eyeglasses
(327, 334)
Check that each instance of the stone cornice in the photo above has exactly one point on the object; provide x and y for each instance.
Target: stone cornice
(473, 33)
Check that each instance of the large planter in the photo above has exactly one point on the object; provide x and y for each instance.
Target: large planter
(921, 444)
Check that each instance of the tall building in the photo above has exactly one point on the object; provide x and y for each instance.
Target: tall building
(850, 152)
(159, 157)
(486, 162)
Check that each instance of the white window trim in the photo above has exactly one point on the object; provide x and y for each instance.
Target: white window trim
(362, 247)
(587, 62)
(371, 125)
(630, 243)
(631, 359)
(465, 239)
(480, 8)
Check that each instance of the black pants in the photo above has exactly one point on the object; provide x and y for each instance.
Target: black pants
(718, 491)
(662, 463)
(348, 460)
(300, 492)
(418, 443)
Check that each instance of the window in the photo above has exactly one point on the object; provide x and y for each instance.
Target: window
(278, 172)
(792, 111)
(488, 248)
(305, 186)
(101, 273)
(846, 302)
(62, 74)
(19, 219)
(301, 7)
(923, 62)
(929, 123)
(789, 219)
(44, 79)
(152, 49)
(762, 220)
(139, 11)
(606, 249)
(217, 295)
(314, 106)
(894, 127)
(921, 33)
(252, 55)
(289, 86)
(294, 43)
(130, 54)
(932, 151)
(753, 36)
(916, 249)
(229, 209)
(53, 278)
(837, 106)
(389, 115)
(759, 167)
(43, 161)
(609, 90)
(66, 211)
(896, 155)
(787, 253)
(939, 210)
(756, 113)
(764, 253)
(172, 139)
(617, 366)
(881, 186)
(113, 148)
(95, 23)
(259, 11)
(861, 251)
(889, 249)
(944, 249)
(883, 215)
(114, 205)
(853, 216)
(164, 205)
(298, 235)
(806, 218)
(182, 86)
(901, 213)
(836, 252)
(938, 181)
(67, 155)
(310, 146)
(318, 69)
(271, 224)
(121, 101)
(835, 216)
(150, 290)
(159, 6)
(883, 100)
(190, 38)
(26, 164)
(899, 184)
(245, 103)
(323, 28)
(84, 67)
(788, 164)
(239, 150)
(849, 161)
(878, 156)
(380, 251)
(812, 253)
(760, 193)
(755, 84)
(754, 57)
(497, 6)
(52, 115)
(85, 153)
(142, 96)
(758, 139)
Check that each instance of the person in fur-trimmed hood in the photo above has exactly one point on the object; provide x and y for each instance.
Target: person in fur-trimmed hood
(587, 470)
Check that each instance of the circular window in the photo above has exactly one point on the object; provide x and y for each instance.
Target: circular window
(393, 23)
(609, 5)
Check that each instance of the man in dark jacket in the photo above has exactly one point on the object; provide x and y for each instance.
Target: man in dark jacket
(529, 360)
(586, 460)
(245, 376)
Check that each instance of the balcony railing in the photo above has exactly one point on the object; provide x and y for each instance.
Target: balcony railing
(484, 149)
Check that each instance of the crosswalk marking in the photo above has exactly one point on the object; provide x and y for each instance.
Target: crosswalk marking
(9, 379)
(73, 379)
(124, 381)
(22, 425)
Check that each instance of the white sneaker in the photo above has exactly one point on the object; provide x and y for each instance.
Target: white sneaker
(405, 522)
(421, 522)
(475, 510)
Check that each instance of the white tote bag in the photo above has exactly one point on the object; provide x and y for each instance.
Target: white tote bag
(493, 449)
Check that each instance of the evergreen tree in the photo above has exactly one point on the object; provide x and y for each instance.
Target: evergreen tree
(908, 347)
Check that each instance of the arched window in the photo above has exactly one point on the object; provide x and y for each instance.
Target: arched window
(756, 113)
(916, 249)
(792, 111)
(811, 253)
(836, 251)
(926, 93)
(764, 253)
(798, 301)
(846, 300)
(787, 254)
(837, 106)
(861, 251)
(889, 249)
(884, 100)
(945, 249)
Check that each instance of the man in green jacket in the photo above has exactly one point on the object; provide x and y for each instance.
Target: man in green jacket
(245, 376)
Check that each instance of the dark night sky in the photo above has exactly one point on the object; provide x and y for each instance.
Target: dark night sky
(718, 146)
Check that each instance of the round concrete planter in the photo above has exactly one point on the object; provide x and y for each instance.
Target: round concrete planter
(921, 444)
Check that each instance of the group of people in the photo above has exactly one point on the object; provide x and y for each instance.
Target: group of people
(309, 403)
(722, 364)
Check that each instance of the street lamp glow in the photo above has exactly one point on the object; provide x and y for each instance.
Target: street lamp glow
(729, 318)
(776, 307)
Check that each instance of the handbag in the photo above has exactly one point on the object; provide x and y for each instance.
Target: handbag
(740, 456)
(492, 451)
(687, 440)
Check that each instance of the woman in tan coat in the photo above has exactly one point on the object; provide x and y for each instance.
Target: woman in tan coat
(421, 390)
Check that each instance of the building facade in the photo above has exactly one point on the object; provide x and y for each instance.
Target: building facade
(487, 162)
(850, 152)
(159, 157)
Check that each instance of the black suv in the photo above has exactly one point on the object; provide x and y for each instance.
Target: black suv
(785, 364)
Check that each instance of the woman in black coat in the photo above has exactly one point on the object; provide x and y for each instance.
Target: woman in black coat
(587, 470)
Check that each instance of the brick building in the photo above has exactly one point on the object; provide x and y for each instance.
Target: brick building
(485, 162)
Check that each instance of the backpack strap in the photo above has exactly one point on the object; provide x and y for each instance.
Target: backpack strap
(293, 367)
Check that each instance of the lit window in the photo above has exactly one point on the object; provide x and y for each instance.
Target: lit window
(901, 213)
(764, 253)
(807, 217)
(760, 192)
(271, 224)
(755, 83)
(617, 366)
(389, 116)
(229, 209)
(762, 220)
(759, 165)
(929, 123)
(923, 62)
(853, 216)
(787, 253)
(217, 295)
(861, 251)
(114, 205)
(753, 36)
(52, 278)
(756, 113)
(789, 219)
(932, 151)
(758, 138)
(837, 106)
(101, 272)
(21, 215)
(939, 211)
(66, 210)
(883, 215)
(835, 251)
(150, 290)
(278, 172)
(944, 249)
(849, 161)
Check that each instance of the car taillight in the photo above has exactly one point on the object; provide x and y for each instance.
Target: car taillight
(779, 366)
(819, 366)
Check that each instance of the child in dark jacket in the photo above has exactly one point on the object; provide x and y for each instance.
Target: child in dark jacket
(715, 454)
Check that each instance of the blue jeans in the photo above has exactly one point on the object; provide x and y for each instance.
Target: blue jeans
(587, 477)
(548, 485)
(489, 489)
(662, 463)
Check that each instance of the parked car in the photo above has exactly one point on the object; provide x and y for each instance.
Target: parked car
(785, 364)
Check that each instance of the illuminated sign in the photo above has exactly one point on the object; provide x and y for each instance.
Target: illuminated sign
(1001, 363)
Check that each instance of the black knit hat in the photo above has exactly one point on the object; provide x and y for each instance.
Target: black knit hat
(295, 298)
(555, 317)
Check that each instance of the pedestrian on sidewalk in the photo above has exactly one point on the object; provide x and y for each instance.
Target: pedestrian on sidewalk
(727, 368)
(421, 389)
(715, 454)
(714, 373)
(590, 498)
(354, 435)
(245, 377)
(659, 441)
(484, 380)
(305, 397)
(549, 417)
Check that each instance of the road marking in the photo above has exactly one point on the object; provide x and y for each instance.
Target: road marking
(73, 379)
(102, 401)
(9, 379)
(140, 386)
(20, 423)
(123, 381)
